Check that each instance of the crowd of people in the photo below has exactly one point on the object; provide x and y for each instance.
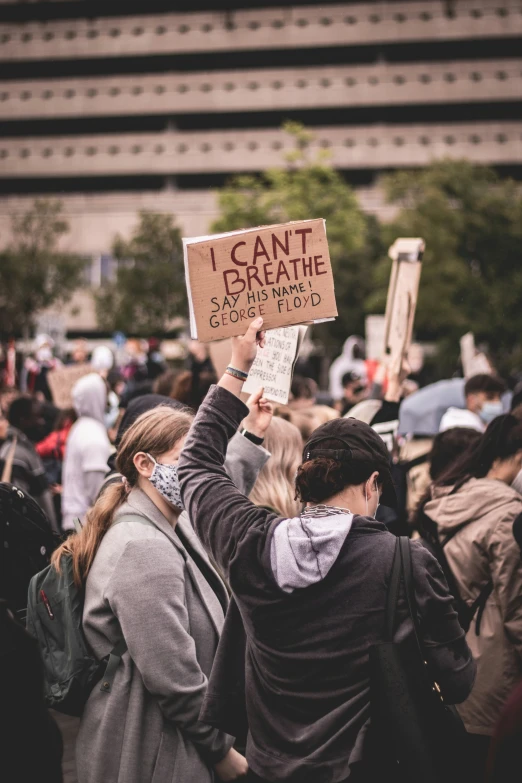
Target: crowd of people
(240, 556)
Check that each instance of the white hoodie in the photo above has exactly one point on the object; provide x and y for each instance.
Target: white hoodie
(87, 450)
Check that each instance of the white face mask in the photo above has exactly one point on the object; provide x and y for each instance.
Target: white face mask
(490, 410)
(165, 479)
(517, 482)
(378, 501)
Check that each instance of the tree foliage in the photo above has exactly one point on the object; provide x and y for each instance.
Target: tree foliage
(308, 187)
(149, 290)
(34, 272)
(471, 220)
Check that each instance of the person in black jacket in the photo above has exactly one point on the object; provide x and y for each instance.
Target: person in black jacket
(310, 591)
(31, 741)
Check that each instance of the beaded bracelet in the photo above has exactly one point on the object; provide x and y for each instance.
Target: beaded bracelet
(235, 373)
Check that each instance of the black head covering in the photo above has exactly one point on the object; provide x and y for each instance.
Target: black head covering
(356, 441)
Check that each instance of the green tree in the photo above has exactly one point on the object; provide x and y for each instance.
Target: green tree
(471, 220)
(149, 290)
(34, 272)
(308, 187)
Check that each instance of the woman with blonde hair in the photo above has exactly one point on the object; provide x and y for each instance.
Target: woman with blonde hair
(147, 580)
(274, 488)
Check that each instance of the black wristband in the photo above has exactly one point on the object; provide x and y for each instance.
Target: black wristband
(252, 438)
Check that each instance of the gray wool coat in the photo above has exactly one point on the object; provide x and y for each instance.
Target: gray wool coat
(144, 584)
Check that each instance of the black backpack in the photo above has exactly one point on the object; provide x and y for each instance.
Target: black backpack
(55, 618)
(433, 544)
(27, 542)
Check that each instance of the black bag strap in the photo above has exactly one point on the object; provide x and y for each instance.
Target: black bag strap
(479, 604)
(409, 589)
(392, 598)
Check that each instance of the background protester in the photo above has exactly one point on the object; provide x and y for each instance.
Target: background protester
(31, 741)
(275, 488)
(303, 393)
(155, 362)
(474, 507)
(483, 403)
(28, 472)
(350, 360)
(52, 452)
(311, 590)
(87, 450)
(102, 360)
(354, 390)
(36, 367)
(145, 580)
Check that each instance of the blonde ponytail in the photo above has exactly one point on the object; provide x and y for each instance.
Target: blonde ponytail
(82, 546)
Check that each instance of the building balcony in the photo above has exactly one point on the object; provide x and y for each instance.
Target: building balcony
(269, 28)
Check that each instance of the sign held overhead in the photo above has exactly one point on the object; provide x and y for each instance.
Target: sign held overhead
(406, 254)
(281, 272)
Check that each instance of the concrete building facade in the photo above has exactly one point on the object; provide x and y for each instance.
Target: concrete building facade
(119, 107)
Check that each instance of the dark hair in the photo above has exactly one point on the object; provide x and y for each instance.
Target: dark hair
(164, 383)
(448, 446)
(502, 439)
(20, 409)
(490, 384)
(350, 377)
(516, 400)
(321, 478)
(303, 388)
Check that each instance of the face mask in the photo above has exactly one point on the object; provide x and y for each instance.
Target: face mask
(376, 507)
(490, 411)
(165, 479)
(517, 482)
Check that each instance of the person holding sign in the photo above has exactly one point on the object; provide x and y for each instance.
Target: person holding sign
(310, 591)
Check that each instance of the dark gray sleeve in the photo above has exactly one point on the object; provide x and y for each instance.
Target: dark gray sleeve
(244, 461)
(444, 641)
(228, 524)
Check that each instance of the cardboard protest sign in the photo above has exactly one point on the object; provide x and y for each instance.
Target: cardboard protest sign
(406, 254)
(274, 364)
(280, 272)
(473, 362)
(61, 383)
(375, 326)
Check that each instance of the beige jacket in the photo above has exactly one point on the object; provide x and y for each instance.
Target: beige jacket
(485, 549)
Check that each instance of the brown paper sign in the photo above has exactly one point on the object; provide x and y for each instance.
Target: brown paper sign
(402, 299)
(61, 383)
(281, 272)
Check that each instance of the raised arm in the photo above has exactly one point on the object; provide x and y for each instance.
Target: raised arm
(225, 520)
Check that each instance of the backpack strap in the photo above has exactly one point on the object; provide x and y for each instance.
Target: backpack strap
(479, 604)
(392, 596)
(115, 657)
(8, 464)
